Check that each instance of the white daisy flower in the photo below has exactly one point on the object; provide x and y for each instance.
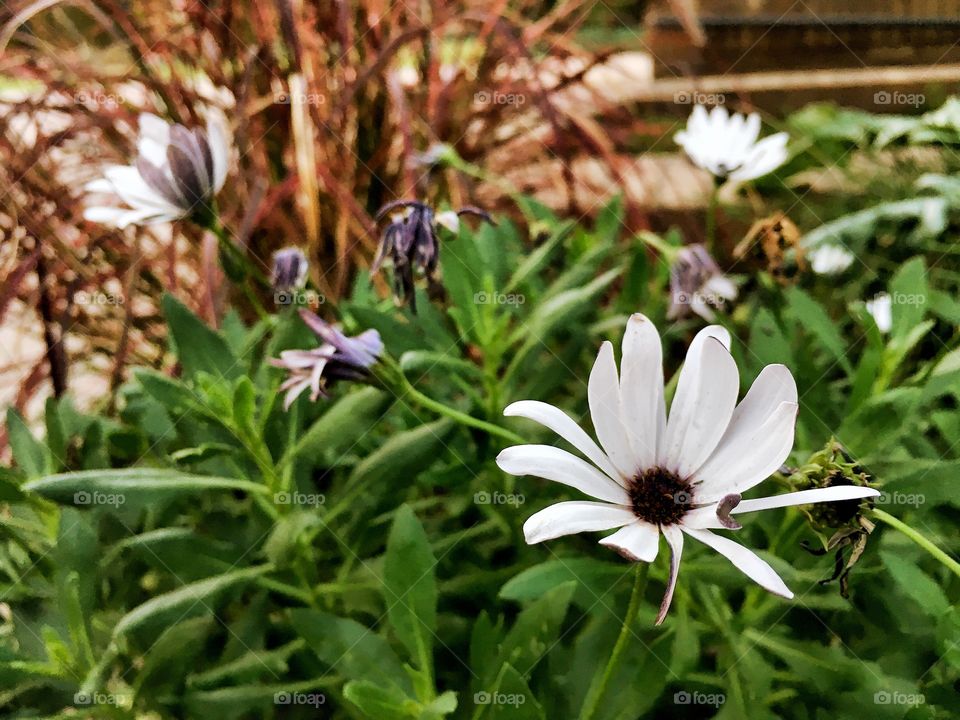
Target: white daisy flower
(726, 145)
(678, 476)
(830, 259)
(881, 309)
(178, 172)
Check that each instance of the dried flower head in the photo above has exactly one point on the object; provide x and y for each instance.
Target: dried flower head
(289, 270)
(411, 243)
(177, 174)
(773, 243)
(840, 524)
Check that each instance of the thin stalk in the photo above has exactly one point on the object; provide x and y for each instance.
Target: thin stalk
(438, 407)
(919, 539)
(711, 230)
(598, 689)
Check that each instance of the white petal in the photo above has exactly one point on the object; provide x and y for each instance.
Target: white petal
(567, 518)
(641, 389)
(133, 190)
(805, 497)
(701, 410)
(752, 453)
(747, 561)
(564, 426)
(104, 214)
(218, 136)
(603, 392)
(155, 128)
(637, 541)
(558, 465)
(100, 185)
(674, 539)
(765, 157)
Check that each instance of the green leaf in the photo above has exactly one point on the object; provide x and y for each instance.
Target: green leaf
(199, 348)
(916, 584)
(193, 596)
(815, 320)
(509, 698)
(353, 650)
(28, 452)
(403, 455)
(388, 703)
(341, 427)
(536, 628)
(592, 579)
(410, 586)
(909, 293)
(135, 486)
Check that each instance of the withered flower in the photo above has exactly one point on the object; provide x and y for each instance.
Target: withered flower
(339, 357)
(841, 524)
(411, 242)
(697, 284)
(774, 244)
(289, 270)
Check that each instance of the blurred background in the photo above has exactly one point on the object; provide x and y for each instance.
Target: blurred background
(340, 107)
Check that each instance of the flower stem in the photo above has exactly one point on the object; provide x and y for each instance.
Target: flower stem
(600, 682)
(919, 539)
(438, 407)
(711, 230)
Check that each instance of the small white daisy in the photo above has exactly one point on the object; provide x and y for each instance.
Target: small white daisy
(178, 172)
(677, 476)
(830, 259)
(727, 146)
(881, 309)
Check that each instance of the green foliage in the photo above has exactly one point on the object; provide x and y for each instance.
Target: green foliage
(203, 552)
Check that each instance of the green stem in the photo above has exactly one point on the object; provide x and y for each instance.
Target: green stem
(711, 231)
(919, 539)
(460, 417)
(656, 242)
(597, 689)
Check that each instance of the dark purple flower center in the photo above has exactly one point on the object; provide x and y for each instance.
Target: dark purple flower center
(659, 496)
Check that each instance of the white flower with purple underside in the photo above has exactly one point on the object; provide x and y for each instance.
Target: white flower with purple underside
(676, 476)
(339, 357)
(697, 284)
(881, 310)
(289, 271)
(726, 145)
(177, 173)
